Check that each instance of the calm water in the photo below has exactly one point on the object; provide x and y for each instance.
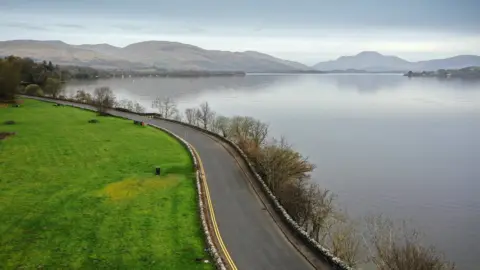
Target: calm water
(409, 148)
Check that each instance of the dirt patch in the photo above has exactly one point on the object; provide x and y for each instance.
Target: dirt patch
(132, 187)
(4, 135)
(9, 103)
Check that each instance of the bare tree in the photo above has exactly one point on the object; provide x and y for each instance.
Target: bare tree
(166, 107)
(316, 210)
(343, 239)
(103, 99)
(83, 97)
(280, 164)
(125, 104)
(205, 115)
(398, 247)
(130, 105)
(138, 108)
(190, 116)
(220, 125)
(178, 116)
(247, 128)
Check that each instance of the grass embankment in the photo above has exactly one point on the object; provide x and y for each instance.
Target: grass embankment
(81, 195)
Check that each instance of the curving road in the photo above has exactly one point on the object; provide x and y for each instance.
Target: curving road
(249, 232)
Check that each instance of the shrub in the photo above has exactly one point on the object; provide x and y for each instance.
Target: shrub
(21, 89)
(9, 122)
(32, 89)
(39, 92)
(103, 99)
(53, 87)
(83, 97)
(396, 246)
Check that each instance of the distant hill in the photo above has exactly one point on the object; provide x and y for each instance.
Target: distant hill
(376, 62)
(456, 62)
(148, 54)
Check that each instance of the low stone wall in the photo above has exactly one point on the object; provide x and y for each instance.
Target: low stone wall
(202, 210)
(336, 262)
(211, 247)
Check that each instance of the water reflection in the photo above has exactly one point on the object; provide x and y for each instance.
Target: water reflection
(367, 83)
(177, 87)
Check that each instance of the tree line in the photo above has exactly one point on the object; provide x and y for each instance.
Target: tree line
(25, 76)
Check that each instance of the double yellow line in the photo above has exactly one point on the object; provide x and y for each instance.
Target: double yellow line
(212, 214)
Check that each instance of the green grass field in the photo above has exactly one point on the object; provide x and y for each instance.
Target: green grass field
(75, 195)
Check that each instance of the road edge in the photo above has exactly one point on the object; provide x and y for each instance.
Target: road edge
(207, 221)
(299, 232)
(204, 207)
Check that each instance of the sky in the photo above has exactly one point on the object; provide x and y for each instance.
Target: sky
(307, 31)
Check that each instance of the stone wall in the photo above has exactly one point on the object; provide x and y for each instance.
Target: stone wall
(336, 262)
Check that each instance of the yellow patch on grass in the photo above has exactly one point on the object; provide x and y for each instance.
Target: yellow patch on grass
(132, 187)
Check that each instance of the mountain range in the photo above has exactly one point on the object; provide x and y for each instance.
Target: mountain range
(376, 62)
(178, 56)
(148, 54)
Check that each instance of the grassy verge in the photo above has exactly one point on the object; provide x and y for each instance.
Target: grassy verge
(80, 195)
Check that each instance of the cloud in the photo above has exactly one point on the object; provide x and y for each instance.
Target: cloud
(70, 26)
(196, 30)
(26, 26)
(308, 31)
(445, 15)
(128, 27)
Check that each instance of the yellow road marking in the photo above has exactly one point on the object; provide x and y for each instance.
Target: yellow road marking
(212, 214)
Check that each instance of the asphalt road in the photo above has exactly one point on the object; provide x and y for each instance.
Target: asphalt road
(250, 234)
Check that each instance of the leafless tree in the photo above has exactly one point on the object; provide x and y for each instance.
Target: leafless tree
(205, 115)
(248, 128)
(178, 116)
(103, 99)
(280, 164)
(397, 247)
(83, 97)
(166, 107)
(130, 105)
(343, 239)
(220, 125)
(316, 208)
(190, 116)
(125, 104)
(138, 108)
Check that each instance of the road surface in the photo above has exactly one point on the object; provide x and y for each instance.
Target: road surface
(250, 234)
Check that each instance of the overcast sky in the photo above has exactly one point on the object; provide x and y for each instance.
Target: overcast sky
(303, 30)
